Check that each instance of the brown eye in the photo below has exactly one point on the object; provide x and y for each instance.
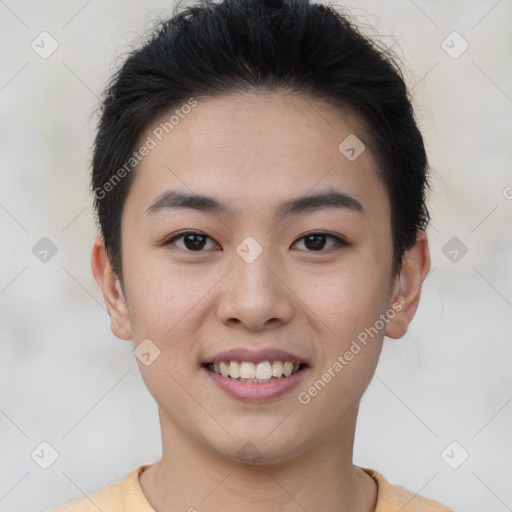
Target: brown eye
(192, 241)
(316, 242)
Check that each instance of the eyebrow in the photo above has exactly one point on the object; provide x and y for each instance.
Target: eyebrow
(173, 199)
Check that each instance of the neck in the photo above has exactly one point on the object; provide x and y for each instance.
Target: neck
(191, 476)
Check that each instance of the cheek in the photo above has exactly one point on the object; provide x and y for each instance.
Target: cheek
(347, 298)
(160, 296)
(349, 305)
(163, 307)
(167, 305)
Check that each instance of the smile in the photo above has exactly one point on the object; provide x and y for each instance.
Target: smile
(262, 372)
(255, 381)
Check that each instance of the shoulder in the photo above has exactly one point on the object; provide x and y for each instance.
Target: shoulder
(105, 499)
(393, 498)
(123, 496)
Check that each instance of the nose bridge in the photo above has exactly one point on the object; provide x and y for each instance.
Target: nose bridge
(254, 294)
(254, 275)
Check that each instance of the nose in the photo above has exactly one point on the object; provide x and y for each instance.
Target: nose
(255, 296)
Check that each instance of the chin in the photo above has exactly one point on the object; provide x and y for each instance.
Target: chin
(259, 450)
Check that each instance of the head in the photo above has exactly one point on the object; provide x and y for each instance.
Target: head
(259, 184)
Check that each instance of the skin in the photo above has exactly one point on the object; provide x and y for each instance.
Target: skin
(252, 152)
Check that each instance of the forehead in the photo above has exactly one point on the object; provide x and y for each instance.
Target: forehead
(250, 149)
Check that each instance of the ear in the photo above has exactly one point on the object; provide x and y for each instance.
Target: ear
(408, 283)
(112, 290)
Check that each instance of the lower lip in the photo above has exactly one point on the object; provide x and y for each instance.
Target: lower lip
(252, 391)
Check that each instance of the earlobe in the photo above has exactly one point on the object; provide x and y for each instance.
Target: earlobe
(408, 285)
(111, 289)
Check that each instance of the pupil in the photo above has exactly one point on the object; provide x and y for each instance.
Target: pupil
(198, 243)
(319, 241)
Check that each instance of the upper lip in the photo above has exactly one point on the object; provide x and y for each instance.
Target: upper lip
(255, 356)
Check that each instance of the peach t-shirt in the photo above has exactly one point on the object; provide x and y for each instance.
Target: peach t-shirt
(127, 496)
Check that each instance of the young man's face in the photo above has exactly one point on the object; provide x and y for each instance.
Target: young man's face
(256, 281)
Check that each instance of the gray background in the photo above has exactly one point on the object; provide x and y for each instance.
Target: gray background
(66, 380)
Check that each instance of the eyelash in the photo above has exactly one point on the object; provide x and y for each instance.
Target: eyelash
(339, 242)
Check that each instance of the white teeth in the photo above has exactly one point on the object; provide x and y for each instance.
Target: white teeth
(263, 371)
(277, 369)
(224, 369)
(234, 369)
(247, 371)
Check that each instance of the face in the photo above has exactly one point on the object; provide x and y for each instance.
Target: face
(287, 259)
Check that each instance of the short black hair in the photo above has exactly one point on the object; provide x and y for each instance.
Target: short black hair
(209, 49)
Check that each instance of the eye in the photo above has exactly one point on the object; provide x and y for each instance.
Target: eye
(193, 241)
(317, 241)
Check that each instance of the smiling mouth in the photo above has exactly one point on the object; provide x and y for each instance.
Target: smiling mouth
(263, 372)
